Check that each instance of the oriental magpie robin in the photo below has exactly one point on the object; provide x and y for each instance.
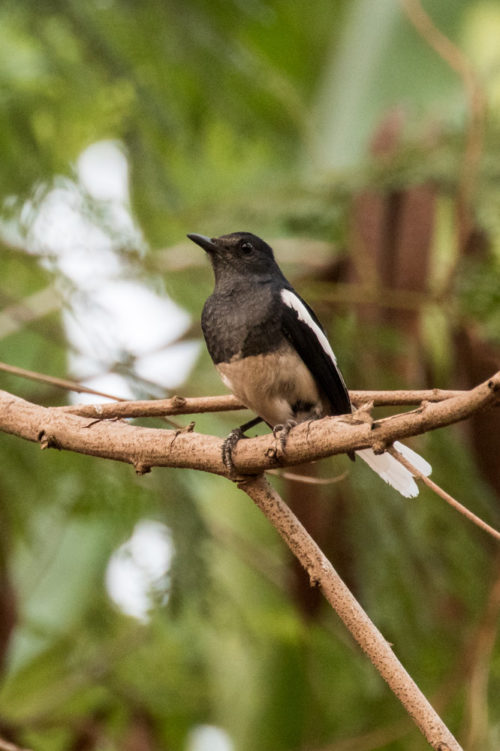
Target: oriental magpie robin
(272, 352)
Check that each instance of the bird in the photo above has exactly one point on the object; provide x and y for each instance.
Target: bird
(272, 352)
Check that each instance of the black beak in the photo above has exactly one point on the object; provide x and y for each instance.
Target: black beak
(204, 242)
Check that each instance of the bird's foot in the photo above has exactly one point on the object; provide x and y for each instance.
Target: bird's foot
(231, 441)
(228, 448)
(280, 432)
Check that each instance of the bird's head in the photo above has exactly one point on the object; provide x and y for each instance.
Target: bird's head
(240, 254)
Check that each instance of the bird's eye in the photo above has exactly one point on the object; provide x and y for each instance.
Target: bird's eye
(246, 247)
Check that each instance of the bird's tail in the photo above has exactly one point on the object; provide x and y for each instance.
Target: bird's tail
(390, 470)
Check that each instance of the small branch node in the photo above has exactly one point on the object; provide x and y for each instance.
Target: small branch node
(178, 401)
(314, 579)
(141, 468)
(185, 428)
(423, 406)
(363, 413)
(379, 447)
(242, 481)
(272, 454)
(48, 441)
(101, 419)
(494, 385)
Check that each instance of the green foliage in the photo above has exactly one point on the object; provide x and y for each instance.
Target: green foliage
(479, 294)
(236, 115)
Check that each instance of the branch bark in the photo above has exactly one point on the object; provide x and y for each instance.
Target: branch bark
(321, 573)
(179, 405)
(145, 447)
(54, 427)
(446, 496)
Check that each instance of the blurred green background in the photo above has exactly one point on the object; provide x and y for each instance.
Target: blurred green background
(362, 140)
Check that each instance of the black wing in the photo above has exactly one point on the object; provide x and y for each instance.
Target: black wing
(306, 334)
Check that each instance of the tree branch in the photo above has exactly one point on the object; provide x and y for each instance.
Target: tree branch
(61, 383)
(445, 496)
(145, 447)
(179, 405)
(321, 573)
(54, 427)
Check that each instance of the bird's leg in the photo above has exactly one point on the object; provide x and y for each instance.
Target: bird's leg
(283, 431)
(231, 441)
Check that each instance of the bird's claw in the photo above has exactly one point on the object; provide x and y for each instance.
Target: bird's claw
(228, 448)
(280, 432)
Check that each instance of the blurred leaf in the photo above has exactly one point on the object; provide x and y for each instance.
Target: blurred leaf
(258, 116)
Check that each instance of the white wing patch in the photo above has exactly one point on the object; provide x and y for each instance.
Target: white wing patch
(290, 299)
(385, 465)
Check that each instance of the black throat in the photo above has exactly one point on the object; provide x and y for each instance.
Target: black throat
(242, 319)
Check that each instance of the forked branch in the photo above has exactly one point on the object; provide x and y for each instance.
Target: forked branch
(144, 448)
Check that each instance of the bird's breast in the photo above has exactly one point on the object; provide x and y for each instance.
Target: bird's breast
(243, 323)
(277, 385)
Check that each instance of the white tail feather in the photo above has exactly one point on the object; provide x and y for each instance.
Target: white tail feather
(392, 472)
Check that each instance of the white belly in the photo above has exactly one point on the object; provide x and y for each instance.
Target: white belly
(271, 384)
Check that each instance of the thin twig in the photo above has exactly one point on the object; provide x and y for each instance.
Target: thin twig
(175, 405)
(59, 382)
(376, 647)
(180, 405)
(307, 479)
(476, 106)
(445, 496)
(455, 58)
(79, 388)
